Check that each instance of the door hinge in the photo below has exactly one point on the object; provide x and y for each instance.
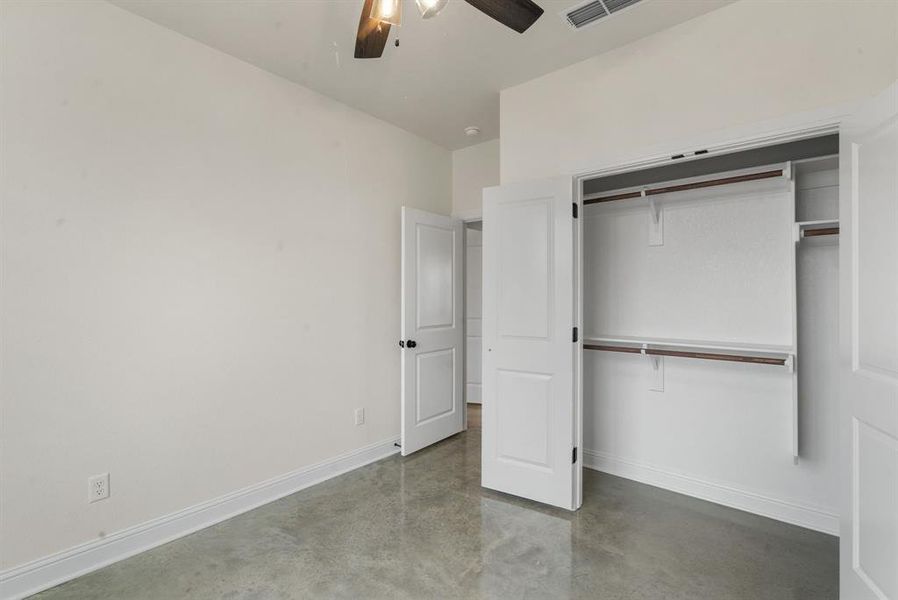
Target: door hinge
(576, 335)
(575, 210)
(574, 456)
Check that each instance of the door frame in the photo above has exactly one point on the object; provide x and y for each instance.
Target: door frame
(464, 223)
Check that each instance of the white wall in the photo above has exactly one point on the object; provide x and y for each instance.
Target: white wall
(473, 168)
(749, 62)
(200, 272)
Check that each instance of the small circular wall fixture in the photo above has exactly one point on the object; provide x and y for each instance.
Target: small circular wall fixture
(472, 130)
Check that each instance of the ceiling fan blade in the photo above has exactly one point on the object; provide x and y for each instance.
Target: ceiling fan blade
(372, 35)
(517, 14)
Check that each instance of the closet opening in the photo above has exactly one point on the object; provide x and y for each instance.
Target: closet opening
(709, 303)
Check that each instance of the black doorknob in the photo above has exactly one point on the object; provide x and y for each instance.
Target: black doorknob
(411, 344)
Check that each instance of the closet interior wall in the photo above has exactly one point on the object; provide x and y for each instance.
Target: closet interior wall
(712, 429)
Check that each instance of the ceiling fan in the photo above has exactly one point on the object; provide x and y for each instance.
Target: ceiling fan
(378, 15)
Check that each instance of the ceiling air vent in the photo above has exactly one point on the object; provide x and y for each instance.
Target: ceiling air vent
(591, 11)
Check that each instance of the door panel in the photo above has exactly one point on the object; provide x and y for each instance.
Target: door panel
(875, 493)
(524, 417)
(868, 271)
(529, 409)
(433, 272)
(432, 367)
(436, 384)
(524, 281)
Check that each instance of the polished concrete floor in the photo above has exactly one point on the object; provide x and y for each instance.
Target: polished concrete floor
(474, 418)
(422, 527)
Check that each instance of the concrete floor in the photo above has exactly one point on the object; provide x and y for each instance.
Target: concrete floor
(474, 416)
(422, 527)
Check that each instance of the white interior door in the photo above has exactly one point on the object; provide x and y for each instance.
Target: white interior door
(432, 337)
(868, 270)
(530, 415)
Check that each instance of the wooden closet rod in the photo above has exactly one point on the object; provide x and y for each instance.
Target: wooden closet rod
(686, 186)
(685, 354)
(821, 231)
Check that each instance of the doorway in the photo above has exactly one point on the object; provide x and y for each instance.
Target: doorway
(473, 322)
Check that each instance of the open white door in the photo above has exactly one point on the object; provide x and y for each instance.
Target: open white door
(432, 332)
(530, 415)
(868, 267)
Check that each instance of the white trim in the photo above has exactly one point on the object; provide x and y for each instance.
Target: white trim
(813, 517)
(52, 570)
(755, 135)
(473, 214)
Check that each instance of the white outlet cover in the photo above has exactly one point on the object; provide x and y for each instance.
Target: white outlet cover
(98, 487)
(360, 416)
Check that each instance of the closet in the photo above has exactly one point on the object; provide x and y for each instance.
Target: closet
(704, 301)
(720, 323)
(710, 326)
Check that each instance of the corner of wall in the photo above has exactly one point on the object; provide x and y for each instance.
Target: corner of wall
(473, 168)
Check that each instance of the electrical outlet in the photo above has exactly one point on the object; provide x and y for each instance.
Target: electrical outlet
(98, 487)
(360, 416)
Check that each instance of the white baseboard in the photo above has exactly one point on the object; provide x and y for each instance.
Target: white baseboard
(812, 517)
(52, 570)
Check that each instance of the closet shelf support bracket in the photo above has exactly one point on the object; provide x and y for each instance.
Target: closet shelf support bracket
(656, 363)
(656, 222)
(789, 363)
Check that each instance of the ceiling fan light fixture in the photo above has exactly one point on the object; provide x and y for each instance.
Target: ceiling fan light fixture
(430, 8)
(387, 11)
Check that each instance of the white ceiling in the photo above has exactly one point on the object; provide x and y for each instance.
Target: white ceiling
(445, 75)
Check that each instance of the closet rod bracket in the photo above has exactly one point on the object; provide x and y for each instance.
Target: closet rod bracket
(789, 363)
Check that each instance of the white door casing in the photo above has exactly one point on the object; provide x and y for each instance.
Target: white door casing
(432, 366)
(529, 409)
(868, 323)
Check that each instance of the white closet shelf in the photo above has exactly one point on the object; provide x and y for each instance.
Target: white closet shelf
(730, 352)
(817, 228)
(781, 172)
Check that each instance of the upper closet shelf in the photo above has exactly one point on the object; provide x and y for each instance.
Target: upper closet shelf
(747, 353)
(782, 172)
